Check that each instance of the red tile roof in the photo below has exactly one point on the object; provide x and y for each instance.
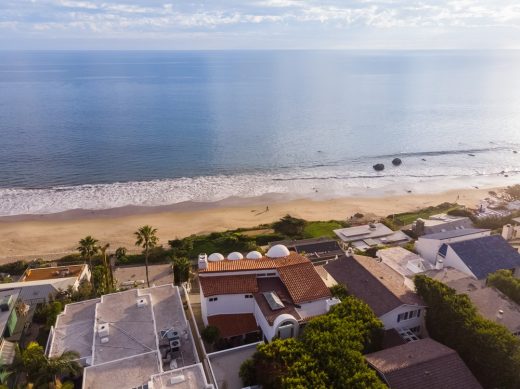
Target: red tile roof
(218, 285)
(264, 263)
(234, 325)
(303, 282)
(274, 284)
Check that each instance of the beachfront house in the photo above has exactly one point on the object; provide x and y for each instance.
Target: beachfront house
(424, 364)
(271, 295)
(37, 284)
(490, 302)
(440, 223)
(428, 246)
(139, 338)
(371, 235)
(383, 289)
(479, 257)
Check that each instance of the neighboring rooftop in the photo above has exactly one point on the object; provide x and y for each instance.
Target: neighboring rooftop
(52, 273)
(131, 275)
(381, 287)
(486, 255)
(315, 248)
(370, 235)
(439, 223)
(453, 234)
(424, 364)
(226, 365)
(445, 275)
(8, 299)
(122, 337)
(403, 261)
(190, 377)
(490, 303)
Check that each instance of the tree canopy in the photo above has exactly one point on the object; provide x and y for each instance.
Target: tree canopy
(328, 354)
(290, 226)
(489, 350)
(505, 282)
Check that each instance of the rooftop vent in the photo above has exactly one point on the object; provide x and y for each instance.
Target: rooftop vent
(104, 340)
(500, 314)
(103, 330)
(141, 302)
(372, 227)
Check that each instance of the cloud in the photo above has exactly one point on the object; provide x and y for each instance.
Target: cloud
(293, 19)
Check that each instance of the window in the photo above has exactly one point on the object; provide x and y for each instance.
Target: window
(213, 298)
(416, 329)
(248, 296)
(408, 315)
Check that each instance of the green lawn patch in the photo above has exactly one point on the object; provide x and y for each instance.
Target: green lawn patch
(319, 229)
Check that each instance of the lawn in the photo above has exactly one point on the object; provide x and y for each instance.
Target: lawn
(319, 229)
(403, 219)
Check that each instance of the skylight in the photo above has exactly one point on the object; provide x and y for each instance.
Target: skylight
(273, 300)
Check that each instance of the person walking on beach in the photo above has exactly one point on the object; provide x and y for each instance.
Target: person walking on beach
(267, 208)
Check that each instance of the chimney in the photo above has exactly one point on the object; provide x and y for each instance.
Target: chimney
(500, 314)
(439, 265)
(203, 261)
(507, 232)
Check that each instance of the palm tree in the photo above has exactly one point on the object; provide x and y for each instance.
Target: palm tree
(181, 270)
(120, 253)
(108, 272)
(43, 371)
(88, 248)
(147, 239)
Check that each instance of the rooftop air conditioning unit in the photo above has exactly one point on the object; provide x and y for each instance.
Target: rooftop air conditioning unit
(104, 340)
(103, 330)
(141, 302)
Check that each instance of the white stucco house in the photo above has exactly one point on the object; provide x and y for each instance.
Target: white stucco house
(273, 294)
(384, 290)
(428, 245)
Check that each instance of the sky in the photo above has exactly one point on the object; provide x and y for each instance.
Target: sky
(259, 24)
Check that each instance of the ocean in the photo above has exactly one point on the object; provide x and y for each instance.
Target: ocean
(97, 130)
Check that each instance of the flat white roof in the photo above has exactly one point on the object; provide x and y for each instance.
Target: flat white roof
(363, 232)
(190, 377)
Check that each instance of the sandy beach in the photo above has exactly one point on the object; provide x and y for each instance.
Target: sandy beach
(52, 236)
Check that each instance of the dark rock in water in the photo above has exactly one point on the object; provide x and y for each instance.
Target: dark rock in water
(514, 151)
(408, 191)
(506, 175)
(423, 159)
(379, 167)
(471, 155)
(396, 161)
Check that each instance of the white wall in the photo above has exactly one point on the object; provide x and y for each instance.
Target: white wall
(229, 304)
(314, 308)
(267, 330)
(203, 308)
(453, 260)
(390, 319)
(428, 248)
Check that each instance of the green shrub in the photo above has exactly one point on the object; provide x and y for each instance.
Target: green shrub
(505, 282)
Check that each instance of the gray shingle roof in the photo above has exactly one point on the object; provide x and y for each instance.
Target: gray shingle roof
(424, 364)
(487, 254)
(453, 233)
(375, 283)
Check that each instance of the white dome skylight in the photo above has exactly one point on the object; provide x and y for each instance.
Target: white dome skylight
(254, 255)
(215, 257)
(278, 251)
(234, 256)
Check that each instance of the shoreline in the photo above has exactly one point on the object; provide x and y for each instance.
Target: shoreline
(55, 235)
